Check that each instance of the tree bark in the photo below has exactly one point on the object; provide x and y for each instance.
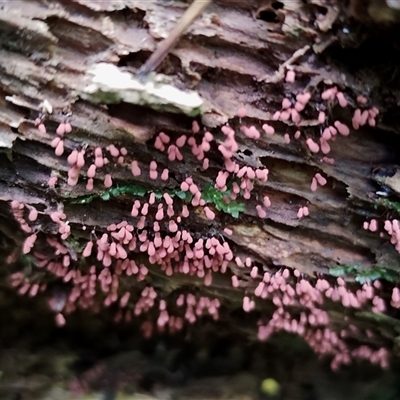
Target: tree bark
(235, 56)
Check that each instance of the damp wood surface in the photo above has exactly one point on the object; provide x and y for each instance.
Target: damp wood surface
(235, 55)
(231, 56)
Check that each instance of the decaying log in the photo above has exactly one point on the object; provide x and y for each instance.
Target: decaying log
(236, 57)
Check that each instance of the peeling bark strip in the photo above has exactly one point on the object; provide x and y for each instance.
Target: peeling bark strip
(249, 206)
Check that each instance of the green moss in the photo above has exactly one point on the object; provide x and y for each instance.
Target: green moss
(209, 195)
(216, 197)
(74, 244)
(343, 270)
(363, 275)
(132, 190)
(392, 205)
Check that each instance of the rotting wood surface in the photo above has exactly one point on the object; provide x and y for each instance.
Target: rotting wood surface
(232, 58)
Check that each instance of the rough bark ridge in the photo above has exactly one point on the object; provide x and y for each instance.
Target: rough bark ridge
(236, 55)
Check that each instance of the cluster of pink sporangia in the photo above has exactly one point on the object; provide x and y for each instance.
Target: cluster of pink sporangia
(242, 178)
(58, 265)
(300, 311)
(76, 158)
(364, 115)
(110, 248)
(26, 287)
(85, 287)
(177, 251)
(77, 161)
(318, 179)
(283, 293)
(58, 142)
(195, 308)
(245, 175)
(392, 228)
(288, 290)
(160, 235)
(303, 212)
(158, 246)
(57, 216)
(291, 112)
(17, 209)
(292, 109)
(157, 229)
